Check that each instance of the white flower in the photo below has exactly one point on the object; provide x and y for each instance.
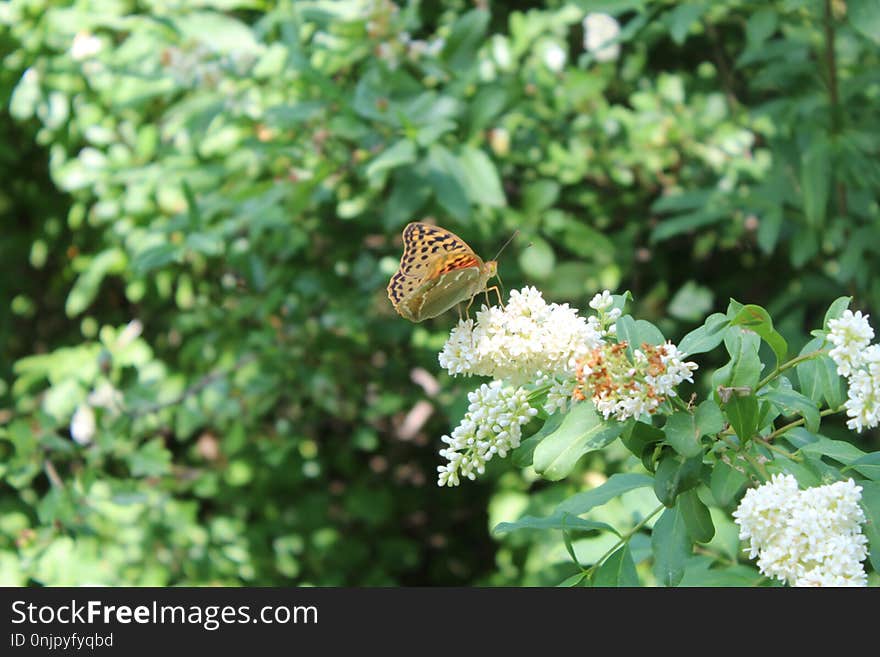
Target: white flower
(82, 424)
(849, 334)
(526, 340)
(806, 538)
(599, 29)
(602, 301)
(554, 56)
(626, 388)
(558, 396)
(860, 364)
(84, 46)
(863, 397)
(670, 371)
(501, 52)
(491, 426)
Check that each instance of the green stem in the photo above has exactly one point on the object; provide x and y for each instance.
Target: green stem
(787, 366)
(777, 449)
(624, 539)
(796, 423)
(680, 403)
(537, 392)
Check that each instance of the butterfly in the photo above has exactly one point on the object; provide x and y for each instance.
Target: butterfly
(437, 271)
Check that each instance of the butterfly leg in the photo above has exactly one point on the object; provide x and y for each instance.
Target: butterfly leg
(497, 292)
(468, 307)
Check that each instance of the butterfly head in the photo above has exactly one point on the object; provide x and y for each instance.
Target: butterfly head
(490, 267)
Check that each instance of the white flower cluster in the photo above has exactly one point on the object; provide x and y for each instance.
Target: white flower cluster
(849, 334)
(85, 45)
(859, 362)
(622, 389)
(600, 32)
(491, 426)
(554, 56)
(526, 341)
(551, 347)
(806, 538)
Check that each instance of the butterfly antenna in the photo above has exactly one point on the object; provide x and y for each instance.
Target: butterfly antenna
(504, 246)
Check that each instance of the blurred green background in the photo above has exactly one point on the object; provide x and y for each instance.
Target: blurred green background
(202, 204)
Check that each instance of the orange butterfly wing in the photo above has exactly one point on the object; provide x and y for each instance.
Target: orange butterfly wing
(428, 252)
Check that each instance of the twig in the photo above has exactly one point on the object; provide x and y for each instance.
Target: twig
(787, 366)
(52, 474)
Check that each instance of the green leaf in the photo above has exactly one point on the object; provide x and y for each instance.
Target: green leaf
(744, 368)
(522, 456)
(617, 485)
(709, 418)
(791, 402)
(538, 261)
(691, 302)
(805, 473)
(682, 434)
(742, 413)
(864, 16)
(760, 26)
(150, 460)
(401, 153)
(572, 581)
(818, 377)
(675, 475)
(155, 257)
(696, 517)
(839, 450)
(637, 332)
(447, 178)
(89, 281)
(816, 182)
(671, 547)
(480, 178)
(733, 308)
(680, 20)
(769, 230)
(487, 104)
(563, 521)
(582, 430)
(758, 320)
(725, 482)
(617, 570)
(868, 465)
(228, 35)
(540, 195)
(871, 506)
(642, 437)
(701, 571)
(409, 193)
(685, 223)
(835, 310)
(465, 38)
(804, 245)
(706, 337)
